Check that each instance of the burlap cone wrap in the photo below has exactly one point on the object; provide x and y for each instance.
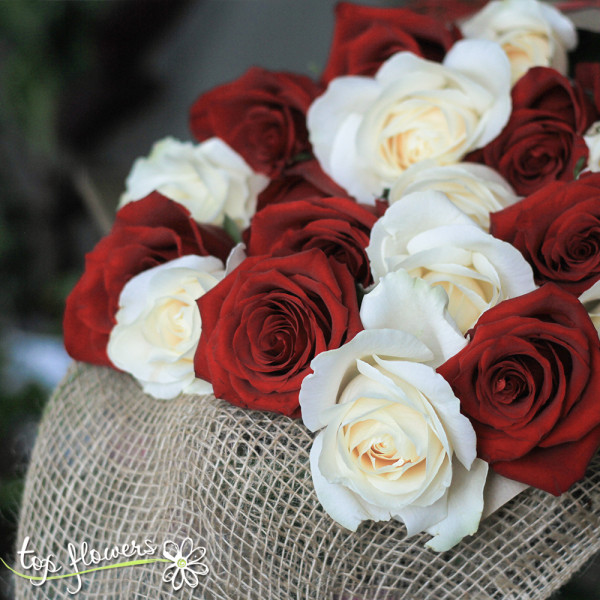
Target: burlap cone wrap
(112, 465)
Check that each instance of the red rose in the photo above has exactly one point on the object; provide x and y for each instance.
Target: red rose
(546, 90)
(529, 381)
(364, 37)
(339, 227)
(302, 180)
(587, 76)
(261, 115)
(264, 323)
(557, 230)
(146, 233)
(543, 139)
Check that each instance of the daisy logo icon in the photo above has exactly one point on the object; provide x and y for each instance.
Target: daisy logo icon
(186, 565)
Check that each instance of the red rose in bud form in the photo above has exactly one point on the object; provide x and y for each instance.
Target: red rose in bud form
(528, 380)
(543, 139)
(339, 227)
(261, 115)
(365, 37)
(265, 322)
(146, 233)
(557, 230)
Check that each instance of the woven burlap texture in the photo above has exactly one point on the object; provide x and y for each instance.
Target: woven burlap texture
(112, 465)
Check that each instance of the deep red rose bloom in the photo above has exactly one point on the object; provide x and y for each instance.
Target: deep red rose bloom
(339, 227)
(302, 180)
(557, 230)
(365, 37)
(261, 115)
(543, 139)
(528, 381)
(264, 323)
(146, 233)
(546, 90)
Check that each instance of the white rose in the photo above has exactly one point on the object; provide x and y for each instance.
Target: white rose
(429, 237)
(530, 32)
(476, 189)
(592, 139)
(367, 131)
(591, 301)
(158, 325)
(392, 440)
(210, 179)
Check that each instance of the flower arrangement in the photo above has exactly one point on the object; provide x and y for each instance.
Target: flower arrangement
(404, 254)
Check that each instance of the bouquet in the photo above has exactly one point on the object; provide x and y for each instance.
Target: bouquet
(404, 254)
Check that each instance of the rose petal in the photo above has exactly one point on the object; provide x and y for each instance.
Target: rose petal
(342, 505)
(439, 393)
(345, 95)
(465, 506)
(492, 71)
(332, 368)
(424, 313)
(419, 518)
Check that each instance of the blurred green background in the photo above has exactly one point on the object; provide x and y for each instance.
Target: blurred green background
(85, 88)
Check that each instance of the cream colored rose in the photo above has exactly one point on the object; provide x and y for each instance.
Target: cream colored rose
(430, 238)
(592, 139)
(366, 131)
(210, 179)
(158, 325)
(531, 33)
(476, 189)
(591, 301)
(392, 442)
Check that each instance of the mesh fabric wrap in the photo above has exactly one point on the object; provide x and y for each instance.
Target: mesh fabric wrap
(112, 465)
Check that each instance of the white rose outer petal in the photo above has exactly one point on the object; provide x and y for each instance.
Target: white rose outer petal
(236, 258)
(347, 96)
(366, 131)
(591, 301)
(210, 179)
(592, 140)
(532, 33)
(475, 189)
(424, 313)
(465, 506)
(491, 71)
(158, 325)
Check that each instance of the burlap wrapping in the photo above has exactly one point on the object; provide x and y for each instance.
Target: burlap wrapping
(113, 465)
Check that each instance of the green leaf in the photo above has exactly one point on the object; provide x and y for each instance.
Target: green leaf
(580, 165)
(301, 157)
(230, 226)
